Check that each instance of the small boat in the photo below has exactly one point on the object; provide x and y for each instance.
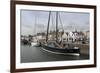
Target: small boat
(34, 40)
(36, 44)
(33, 43)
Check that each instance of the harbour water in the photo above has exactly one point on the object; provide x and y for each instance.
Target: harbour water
(37, 54)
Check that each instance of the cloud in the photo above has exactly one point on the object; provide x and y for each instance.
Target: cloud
(70, 21)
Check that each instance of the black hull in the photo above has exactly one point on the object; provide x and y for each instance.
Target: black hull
(61, 51)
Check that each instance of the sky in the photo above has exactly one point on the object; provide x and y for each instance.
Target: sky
(33, 21)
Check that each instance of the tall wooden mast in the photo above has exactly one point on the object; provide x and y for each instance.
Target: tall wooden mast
(56, 26)
(48, 26)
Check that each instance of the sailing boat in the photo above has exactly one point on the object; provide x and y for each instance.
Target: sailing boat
(34, 42)
(56, 46)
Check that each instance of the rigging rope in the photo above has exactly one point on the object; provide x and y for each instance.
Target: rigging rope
(60, 21)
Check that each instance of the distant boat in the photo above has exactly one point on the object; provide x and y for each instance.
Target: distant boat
(57, 46)
(34, 41)
(33, 44)
(36, 44)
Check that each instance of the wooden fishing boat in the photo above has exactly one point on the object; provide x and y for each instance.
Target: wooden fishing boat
(54, 46)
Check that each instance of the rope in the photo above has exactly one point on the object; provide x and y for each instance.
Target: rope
(60, 21)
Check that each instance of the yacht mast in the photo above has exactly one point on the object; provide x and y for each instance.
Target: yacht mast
(56, 26)
(48, 26)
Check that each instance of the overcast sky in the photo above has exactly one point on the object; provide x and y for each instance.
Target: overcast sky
(33, 21)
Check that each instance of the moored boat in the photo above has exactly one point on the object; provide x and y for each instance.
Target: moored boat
(55, 46)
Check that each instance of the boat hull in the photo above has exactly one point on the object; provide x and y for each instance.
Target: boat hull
(35, 44)
(61, 51)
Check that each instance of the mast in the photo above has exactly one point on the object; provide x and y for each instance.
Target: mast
(35, 23)
(48, 26)
(56, 26)
(60, 22)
